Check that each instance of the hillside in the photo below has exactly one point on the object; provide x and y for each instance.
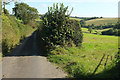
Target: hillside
(13, 32)
(102, 21)
(75, 19)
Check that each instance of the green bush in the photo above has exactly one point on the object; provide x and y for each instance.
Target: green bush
(57, 29)
(77, 36)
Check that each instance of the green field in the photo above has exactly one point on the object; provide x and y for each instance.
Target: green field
(82, 62)
(102, 21)
(76, 19)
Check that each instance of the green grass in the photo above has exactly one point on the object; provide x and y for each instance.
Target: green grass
(76, 19)
(81, 62)
(102, 21)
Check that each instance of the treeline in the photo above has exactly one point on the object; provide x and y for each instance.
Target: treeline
(83, 24)
(103, 26)
(114, 28)
(112, 31)
(86, 18)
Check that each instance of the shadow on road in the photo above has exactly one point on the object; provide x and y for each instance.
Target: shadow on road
(27, 47)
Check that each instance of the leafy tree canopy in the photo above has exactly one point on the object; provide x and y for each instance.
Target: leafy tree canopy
(25, 12)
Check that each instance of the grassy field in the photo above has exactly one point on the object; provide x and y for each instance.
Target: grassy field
(76, 19)
(102, 21)
(82, 62)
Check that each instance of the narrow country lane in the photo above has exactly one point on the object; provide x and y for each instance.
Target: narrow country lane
(25, 62)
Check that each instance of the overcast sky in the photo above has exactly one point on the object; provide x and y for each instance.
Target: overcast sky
(81, 8)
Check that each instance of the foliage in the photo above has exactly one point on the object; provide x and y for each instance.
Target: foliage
(58, 29)
(114, 26)
(111, 32)
(77, 32)
(90, 29)
(82, 22)
(118, 58)
(6, 11)
(12, 32)
(87, 18)
(25, 12)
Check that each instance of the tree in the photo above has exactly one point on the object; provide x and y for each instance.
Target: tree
(101, 17)
(24, 12)
(5, 2)
(4, 6)
(116, 32)
(90, 29)
(101, 27)
(82, 22)
(93, 26)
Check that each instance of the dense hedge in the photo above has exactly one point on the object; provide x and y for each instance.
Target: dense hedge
(12, 32)
(102, 26)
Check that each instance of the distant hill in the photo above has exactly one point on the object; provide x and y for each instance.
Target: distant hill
(76, 19)
(102, 21)
(85, 18)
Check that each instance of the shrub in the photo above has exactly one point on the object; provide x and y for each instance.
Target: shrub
(77, 32)
(57, 29)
